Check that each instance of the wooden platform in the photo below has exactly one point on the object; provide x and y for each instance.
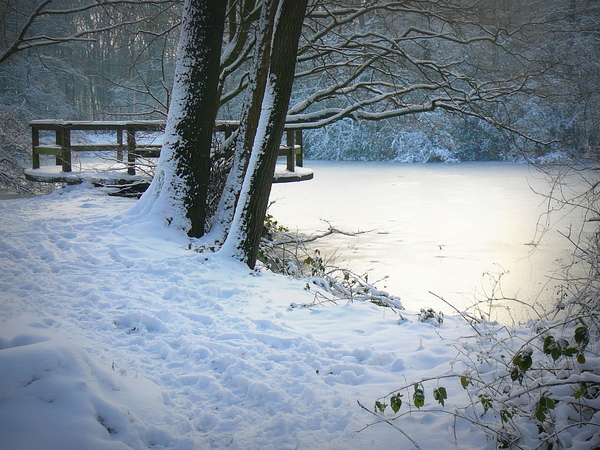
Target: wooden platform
(129, 155)
(120, 177)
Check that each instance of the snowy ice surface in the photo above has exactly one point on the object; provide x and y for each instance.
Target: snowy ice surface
(437, 228)
(113, 335)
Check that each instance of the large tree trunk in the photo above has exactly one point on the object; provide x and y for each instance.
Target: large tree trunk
(179, 189)
(246, 229)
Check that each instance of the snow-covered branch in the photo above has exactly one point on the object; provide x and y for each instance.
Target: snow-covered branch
(26, 36)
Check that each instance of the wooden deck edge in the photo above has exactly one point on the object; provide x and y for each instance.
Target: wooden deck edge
(285, 176)
(46, 175)
(40, 176)
(52, 174)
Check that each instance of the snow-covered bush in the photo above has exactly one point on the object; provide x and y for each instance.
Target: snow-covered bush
(533, 386)
(437, 137)
(289, 254)
(411, 147)
(428, 137)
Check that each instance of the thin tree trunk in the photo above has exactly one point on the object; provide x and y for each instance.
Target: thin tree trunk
(244, 237)
(248, 125)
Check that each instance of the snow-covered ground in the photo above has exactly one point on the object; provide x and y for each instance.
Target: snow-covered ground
(113, 335)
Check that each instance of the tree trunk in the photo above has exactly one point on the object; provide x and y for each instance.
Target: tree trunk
(244, 237)
(179, 189)
(249, 121)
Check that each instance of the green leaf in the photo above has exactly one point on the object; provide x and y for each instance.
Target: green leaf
(581, 358)
(582, 391)
(571, 351)
(545, 404)
(523, 360)
(556, 353)
(505, 415)
(582, 336)
(486, 402)
(558, 348)
(549, 345)
(514, 374)
(440, 395)
(379, 406)
(540, 415)
(396, 403)
(419, 396)
(464, 382)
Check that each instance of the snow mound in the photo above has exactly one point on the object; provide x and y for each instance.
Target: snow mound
(54, 395)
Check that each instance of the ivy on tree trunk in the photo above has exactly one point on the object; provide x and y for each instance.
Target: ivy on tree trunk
(179, 189)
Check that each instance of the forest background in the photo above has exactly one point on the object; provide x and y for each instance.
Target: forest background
(410, 81)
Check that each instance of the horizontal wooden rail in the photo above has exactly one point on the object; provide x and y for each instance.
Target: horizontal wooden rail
(63, 147)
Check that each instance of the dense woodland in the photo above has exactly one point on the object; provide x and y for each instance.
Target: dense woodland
(378, 79)
(474, 71)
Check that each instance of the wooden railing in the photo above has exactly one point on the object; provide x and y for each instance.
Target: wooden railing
(63, 146)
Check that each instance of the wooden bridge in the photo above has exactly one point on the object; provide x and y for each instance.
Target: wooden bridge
(130, 155)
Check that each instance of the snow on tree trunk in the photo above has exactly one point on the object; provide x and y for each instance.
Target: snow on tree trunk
(179, 189)
(248, 125)
(246, 228)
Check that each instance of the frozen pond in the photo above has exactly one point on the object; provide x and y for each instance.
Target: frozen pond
(437, 228)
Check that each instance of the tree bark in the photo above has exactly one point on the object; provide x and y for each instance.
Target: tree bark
(249, 121)
(244, 237)
(179, 189)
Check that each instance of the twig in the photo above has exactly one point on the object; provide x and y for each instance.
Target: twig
(393, 425)
(459, 312)
(330, 230)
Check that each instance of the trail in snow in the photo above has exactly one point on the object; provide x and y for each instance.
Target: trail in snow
(113, 335)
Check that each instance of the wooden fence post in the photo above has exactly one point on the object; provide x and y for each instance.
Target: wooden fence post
(120, 144)
(35, 141)
(63, 139)
(291, 159)
(131, 156)
(300, 156)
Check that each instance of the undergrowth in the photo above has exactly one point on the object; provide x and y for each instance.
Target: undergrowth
(287, 253)
(531, 386)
